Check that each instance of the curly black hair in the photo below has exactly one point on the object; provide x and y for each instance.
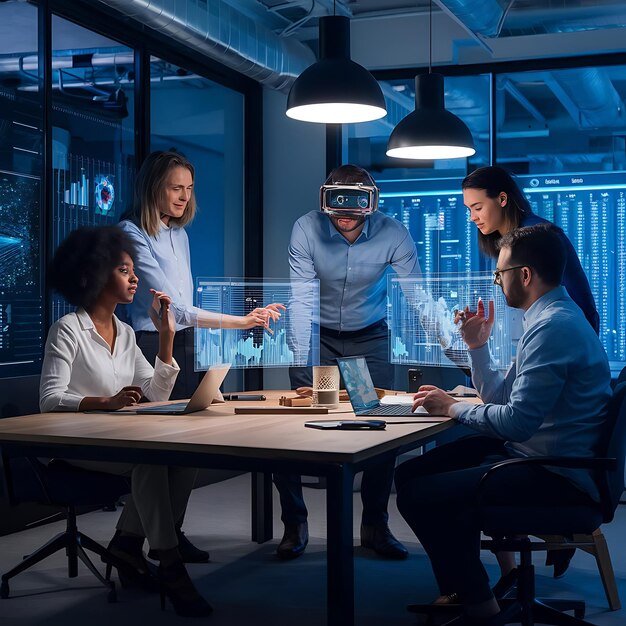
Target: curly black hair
(83, 262)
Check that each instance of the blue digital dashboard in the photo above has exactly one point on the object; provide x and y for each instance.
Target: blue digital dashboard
(589, 207)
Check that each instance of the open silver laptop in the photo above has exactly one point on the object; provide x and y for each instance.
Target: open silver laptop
(360, 388)
(206, 392)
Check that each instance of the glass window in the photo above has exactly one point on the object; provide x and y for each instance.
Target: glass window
(562, 132)
(92, 131)
(21, 168)
(204, 121)
(426, 196)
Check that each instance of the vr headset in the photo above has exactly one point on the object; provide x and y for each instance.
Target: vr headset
(349, 199)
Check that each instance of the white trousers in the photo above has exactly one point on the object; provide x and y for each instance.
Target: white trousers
(159, 496)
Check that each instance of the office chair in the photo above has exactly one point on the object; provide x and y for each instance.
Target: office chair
(509, 526)
(620, 379)
(60, 484)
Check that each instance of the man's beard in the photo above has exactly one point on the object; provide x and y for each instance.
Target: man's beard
(360, 219)
(515, 295)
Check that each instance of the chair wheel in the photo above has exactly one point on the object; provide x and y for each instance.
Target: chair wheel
(4, 590)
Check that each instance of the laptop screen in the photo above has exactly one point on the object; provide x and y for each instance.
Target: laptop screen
(356, 376)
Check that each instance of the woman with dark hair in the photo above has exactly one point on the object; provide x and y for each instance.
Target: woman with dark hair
(164, 204)
(497, 206)
(92, 362)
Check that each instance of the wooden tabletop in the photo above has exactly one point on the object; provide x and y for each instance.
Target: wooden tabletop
(218, 430)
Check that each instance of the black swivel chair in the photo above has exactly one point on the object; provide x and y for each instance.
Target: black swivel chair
(60, 484)
(509, 526)
(620, 379)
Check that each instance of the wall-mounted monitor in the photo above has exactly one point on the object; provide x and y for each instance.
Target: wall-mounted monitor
(21, 310)
(589, 207)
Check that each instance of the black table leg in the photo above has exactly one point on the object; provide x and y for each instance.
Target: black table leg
(340, 558)
(262, 513)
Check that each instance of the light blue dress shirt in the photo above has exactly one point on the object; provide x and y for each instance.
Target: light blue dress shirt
(353, 284)
(553, 401)
(162, 263)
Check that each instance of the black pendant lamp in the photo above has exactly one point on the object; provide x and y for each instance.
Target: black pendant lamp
(430, 132)
(335, 90)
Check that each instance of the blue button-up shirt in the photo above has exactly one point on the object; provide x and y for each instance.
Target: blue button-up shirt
(554, 398)
(162, 263)
(353, 284)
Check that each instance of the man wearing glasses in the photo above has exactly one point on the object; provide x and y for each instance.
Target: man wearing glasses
(552, 401)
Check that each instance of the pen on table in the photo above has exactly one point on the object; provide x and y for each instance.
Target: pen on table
(462, 395)
(243, 396)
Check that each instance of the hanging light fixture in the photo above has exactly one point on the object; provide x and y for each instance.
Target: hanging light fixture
(335, 90)
(430, 132)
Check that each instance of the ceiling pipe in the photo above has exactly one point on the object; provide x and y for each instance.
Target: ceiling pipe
(224, 34)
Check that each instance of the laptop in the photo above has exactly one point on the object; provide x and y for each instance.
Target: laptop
(206, 392)
(360, 388)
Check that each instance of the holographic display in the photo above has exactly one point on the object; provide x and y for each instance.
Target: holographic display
(86, 193)
(421, 319)
(589, 207)
(21, 312)
(294, 340)
(104, 195)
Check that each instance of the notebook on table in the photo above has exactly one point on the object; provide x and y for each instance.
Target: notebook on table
(206, 392)
(360, 388)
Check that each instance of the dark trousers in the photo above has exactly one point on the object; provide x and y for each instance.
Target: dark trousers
(436, 496)
(373, 343)
(184, 353)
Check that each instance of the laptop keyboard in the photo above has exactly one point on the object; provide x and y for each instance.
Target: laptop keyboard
(389, 409)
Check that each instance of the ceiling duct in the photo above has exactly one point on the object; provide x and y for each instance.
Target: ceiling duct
(481, 17)
(224, 34)
(486, 18)
(589, 96)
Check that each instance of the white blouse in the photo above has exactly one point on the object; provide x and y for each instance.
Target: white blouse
(78, 362)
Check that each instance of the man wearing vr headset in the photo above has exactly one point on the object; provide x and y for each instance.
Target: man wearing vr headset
(349, 247)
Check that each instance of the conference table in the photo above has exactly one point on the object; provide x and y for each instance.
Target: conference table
(261, 443)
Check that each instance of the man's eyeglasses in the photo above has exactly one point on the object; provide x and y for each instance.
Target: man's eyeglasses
(497, 275)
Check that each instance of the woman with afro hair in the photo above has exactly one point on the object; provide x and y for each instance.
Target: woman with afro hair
(92, 362)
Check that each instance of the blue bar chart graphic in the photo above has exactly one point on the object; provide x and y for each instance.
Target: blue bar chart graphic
(293, 340)
(421, 313)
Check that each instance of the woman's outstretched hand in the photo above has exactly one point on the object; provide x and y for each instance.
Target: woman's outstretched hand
(263, 316)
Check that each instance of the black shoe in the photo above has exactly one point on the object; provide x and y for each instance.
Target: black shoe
(380, 539)
(132, 568)
(294, 541)
(560, 560)
(179, 589)
(188, 552)
(450, 599)
(506, 584)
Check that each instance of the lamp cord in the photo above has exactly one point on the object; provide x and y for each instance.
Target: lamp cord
(430, 37)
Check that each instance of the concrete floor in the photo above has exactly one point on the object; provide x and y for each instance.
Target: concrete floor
(248, 586)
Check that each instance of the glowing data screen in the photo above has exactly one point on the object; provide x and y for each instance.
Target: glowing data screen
(422, 325)
(293, 340)
(589, 207)
(21, 312)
